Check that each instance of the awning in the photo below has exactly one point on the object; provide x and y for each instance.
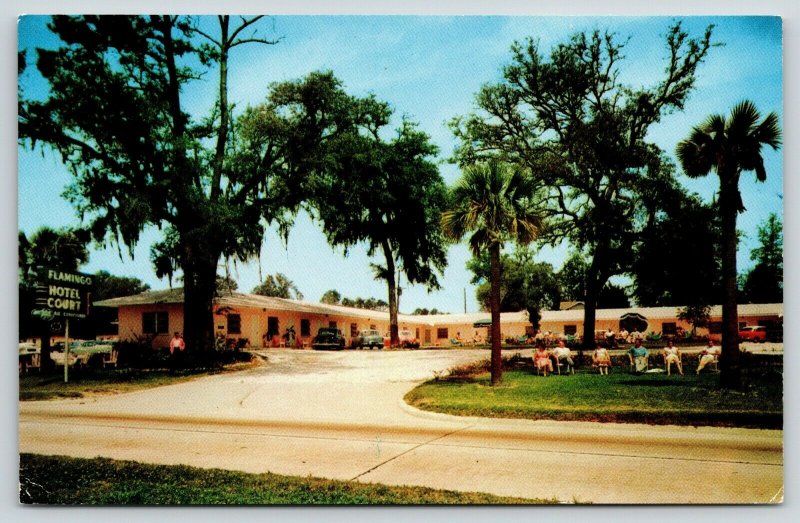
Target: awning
(633, 316)
(483, 323)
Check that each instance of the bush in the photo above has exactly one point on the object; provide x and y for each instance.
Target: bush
(137, 353)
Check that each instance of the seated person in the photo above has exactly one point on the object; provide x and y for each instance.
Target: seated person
(672, 355)
(541, 360)
(562, 353)
(601, 359)
(638, 356)
(708, 355)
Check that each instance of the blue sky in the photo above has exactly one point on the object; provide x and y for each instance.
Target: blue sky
(429, 68)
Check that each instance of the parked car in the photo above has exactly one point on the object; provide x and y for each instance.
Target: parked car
(328, 338)
(407, 339)
(756, 334)
(371, 338)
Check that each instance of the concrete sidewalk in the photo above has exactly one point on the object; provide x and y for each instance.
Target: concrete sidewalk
(341, 416)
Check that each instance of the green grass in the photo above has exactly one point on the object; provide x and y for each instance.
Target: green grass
(85, 382)
(618, 397)
(63, 480)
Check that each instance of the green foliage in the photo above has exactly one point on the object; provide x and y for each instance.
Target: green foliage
(116, 113)
(697, 315)
(76, 481)
(385, 193)
(368, 303)
(582, 133)
(331, 297)
(494, 202)
(107, 286)
(572, 283)
(619, 397)
(677, 259)
(525, 284)
(764, 282)
(47, 247)
(63, 249)
(278, 286)
(729, 146)
(421, 311)
(225, 284)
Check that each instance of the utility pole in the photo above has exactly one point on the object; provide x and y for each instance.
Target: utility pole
(465, 300)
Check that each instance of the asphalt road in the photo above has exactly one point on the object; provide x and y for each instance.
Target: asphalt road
(340, 415)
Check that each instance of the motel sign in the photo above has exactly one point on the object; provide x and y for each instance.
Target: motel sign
(62, 293)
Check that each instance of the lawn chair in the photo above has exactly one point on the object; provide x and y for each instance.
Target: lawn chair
(712, 363)
(562, 362)
(35, 362)
(111, 359)
(633, 363)
(58, 358)
(455, 341)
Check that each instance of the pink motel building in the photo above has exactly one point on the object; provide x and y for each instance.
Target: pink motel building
(262, 321)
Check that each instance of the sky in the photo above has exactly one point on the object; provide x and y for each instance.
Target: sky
(428, 68)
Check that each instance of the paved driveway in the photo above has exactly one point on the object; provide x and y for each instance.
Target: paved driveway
(341, 415)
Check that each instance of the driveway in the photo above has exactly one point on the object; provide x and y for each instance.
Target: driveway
(340, 415)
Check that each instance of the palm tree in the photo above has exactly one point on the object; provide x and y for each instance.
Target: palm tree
(494, 201)
(728, 147)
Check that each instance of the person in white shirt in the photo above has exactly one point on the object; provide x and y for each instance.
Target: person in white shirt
(672, 355)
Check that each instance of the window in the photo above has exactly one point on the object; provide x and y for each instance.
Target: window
(353, 330)
(305, 327)
(234, 324)
(372, 326)
(332, 324)
(742, 325)
(155, 322)
(570, 330)
(669, 328)
(715, 327)
(441, 333)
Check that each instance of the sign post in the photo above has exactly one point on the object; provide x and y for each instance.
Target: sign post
(66, 351)
(63, 294)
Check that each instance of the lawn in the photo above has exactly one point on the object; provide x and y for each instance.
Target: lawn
(99, 481)
(34, 386)
(618, 397)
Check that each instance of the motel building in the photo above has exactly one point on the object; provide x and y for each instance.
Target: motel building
(259, 321)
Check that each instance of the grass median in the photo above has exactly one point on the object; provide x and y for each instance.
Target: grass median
(619, 397)
(87, 382)
(62, 480)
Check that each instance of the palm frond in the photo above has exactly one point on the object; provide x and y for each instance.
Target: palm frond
(768, 131)
(695, 154)
(714, 127)
(742, 121)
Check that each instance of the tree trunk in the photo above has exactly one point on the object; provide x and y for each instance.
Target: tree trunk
(390, 270)
(593, 286)
(730, 372)
(494, 305)
(47, 365)
(199, 275)
(589, 320)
